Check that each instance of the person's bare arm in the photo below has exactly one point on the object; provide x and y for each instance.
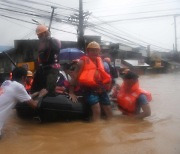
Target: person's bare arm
(146, 111)
(79, 70)
(33, 103)
(34, 94)
(73, 81)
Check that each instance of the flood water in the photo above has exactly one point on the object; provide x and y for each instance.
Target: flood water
(158, 134)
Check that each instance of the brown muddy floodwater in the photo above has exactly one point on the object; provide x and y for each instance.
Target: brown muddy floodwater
(158, 134)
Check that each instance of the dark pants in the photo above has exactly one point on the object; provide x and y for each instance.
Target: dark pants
(45, 77)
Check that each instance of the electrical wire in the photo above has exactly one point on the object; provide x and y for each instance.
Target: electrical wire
(138, 18)
(32, 8)
(117, 31)
(34, 23)
(132, 6)
(154, 11)
(129, 41)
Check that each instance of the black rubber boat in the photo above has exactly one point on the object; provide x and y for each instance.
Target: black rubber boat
(55, 109)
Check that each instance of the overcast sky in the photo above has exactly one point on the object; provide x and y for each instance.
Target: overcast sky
(126, 21)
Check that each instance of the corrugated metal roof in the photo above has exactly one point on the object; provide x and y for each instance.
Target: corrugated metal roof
(135, 63)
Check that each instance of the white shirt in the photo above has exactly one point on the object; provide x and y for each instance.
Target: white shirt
(11, 92)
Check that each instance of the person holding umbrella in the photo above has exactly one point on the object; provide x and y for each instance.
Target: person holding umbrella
(94, 82)
(48, 61)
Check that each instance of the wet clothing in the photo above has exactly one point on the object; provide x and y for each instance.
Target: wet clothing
(93, 74)
(93, 98)
(48, 60)
(127, 98)
(45, 78)
(141, 100)
(48, 52)
(11, 92)
(94, 81)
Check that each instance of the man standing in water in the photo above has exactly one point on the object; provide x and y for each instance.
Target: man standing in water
(94, 82)
(48, 61)
(14, 91)
(131, 98)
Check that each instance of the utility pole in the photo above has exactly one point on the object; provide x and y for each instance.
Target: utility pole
(81, 26)
(80, 20)
(175, 34)
(148, 51)
(52, 13)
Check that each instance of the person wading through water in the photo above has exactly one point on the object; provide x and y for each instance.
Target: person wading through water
(12, 92)
(131, 98)
(94, 82)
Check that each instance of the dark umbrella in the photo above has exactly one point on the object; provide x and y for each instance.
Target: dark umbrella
(69, 54)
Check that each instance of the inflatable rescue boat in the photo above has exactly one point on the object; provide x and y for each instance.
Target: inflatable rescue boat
(55, 109)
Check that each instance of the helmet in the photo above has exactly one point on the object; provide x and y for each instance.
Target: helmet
(108, 60)
(29, 73)
(40, 29)
(93, 45)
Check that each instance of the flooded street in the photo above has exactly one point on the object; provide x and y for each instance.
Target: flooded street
(158, 134)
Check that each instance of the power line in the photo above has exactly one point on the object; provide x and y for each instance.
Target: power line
(117, 30)
(111, 37)
(74, 9)
(36, 15)
(32, 30)
(12, 6)
(127, 40)
(139, 12)
(32, 8)
(134, 5)
(38, 3)
(139, 18)
(122, 39)
(22, 12)
(16, 9)
(33, 23)
(55, 18)
(126, 43)
(117, 36)
(24, 6)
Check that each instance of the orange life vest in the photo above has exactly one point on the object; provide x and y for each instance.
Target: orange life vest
(127, 99)
(28, 86)
(93, 74)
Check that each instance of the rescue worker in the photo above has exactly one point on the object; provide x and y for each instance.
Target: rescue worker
(131, 98)
(94, 82)
(29, 81)
(14, 91)
(48, 61)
